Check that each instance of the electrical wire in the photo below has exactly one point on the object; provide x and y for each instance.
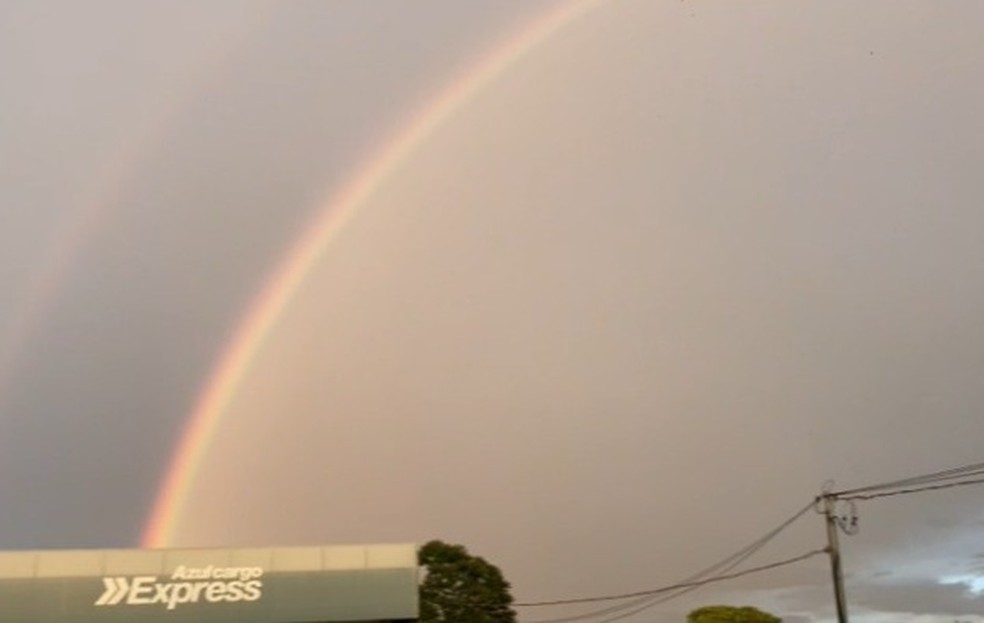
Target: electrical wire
(721, 571)
(641, 600)
(652, 602)
(721, 578)
(732, 560)
(887, 494)
(714, 579)
(974, 469)
(598, 613)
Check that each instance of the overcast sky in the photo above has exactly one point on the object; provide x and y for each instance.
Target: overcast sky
(621, 313)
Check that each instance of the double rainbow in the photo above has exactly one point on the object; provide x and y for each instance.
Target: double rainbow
(280, 288)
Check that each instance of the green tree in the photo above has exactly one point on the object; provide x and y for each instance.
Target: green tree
(461, 588)
(731, 614)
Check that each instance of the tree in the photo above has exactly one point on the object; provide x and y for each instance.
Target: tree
(731, 614)
(461, 588)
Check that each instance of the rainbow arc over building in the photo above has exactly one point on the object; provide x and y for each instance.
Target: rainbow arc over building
(279, 289)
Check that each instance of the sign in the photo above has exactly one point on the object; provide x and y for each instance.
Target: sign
(271, 585)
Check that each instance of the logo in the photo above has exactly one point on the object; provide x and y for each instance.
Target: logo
(187, 585)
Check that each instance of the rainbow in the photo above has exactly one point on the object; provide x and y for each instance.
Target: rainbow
(110, 180)
(279, 289)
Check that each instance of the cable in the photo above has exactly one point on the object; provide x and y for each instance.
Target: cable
(887, 494)
(597, 613)
(733, 560)
(647, 599)
(695, 586)
(975, 469)
(717, 578)
(642, 600)
(948, 474)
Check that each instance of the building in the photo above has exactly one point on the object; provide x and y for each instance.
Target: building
(370, 583)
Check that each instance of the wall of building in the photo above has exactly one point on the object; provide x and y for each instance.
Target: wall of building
(261, 585)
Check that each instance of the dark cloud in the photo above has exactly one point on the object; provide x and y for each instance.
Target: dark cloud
(916, 598)
(866, 599)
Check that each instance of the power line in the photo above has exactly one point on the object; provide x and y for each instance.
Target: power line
(926, 482)
(651, 602)
(642, 600)
(887, 494)
(731, 560)
(974, 469)
(695, 586)
(721, 571)
(720, 578)
(598, 613)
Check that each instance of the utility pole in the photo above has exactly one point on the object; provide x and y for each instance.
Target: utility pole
(833, 548)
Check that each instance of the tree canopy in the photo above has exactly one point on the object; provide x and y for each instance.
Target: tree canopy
(461, 588)
(731, 614)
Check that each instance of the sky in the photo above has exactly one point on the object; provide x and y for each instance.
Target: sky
(641, 284)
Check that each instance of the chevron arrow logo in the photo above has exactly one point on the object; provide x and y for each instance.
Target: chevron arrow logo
(216, 587)
(115, 590)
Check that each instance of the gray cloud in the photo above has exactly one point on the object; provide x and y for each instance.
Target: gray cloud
(175, 175)
(626, 310)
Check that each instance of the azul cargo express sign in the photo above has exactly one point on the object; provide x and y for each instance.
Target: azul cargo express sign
(262, 585)
(187, 585)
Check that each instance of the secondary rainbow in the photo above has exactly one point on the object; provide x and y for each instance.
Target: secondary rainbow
(291, 273)
(109, 182)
